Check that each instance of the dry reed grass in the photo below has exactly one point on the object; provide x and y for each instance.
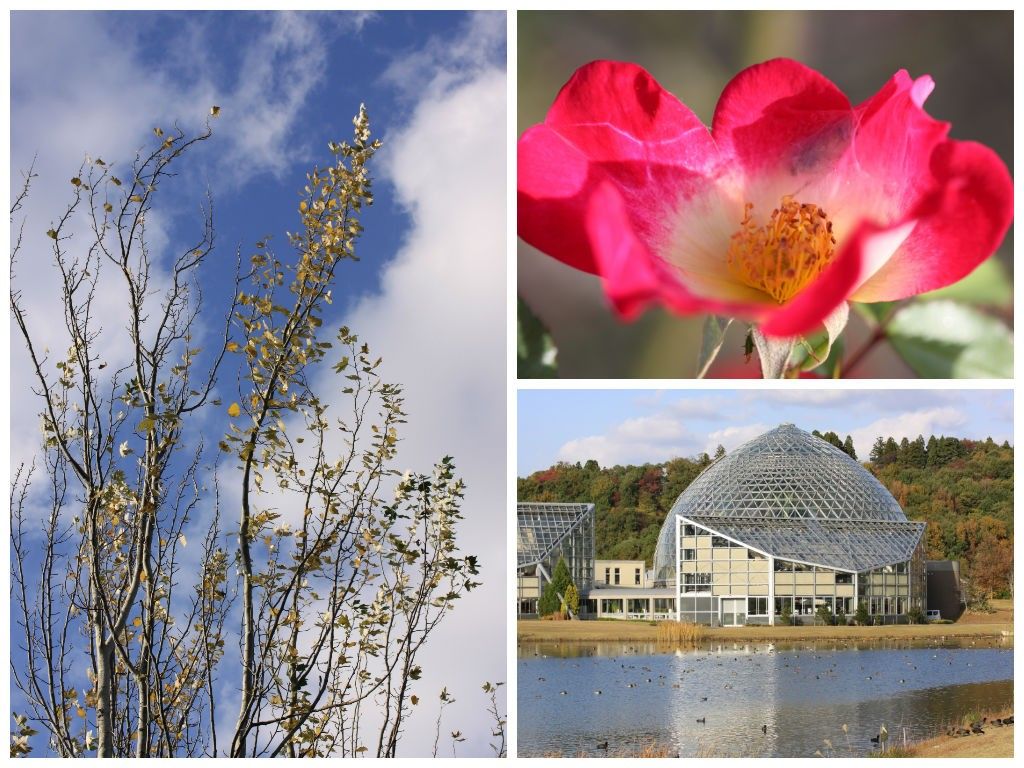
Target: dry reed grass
(680, 633)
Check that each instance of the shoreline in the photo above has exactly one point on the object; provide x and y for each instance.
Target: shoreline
(537, 631)
(996, 742)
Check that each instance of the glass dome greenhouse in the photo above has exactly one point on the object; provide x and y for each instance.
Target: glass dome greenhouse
(795, 496)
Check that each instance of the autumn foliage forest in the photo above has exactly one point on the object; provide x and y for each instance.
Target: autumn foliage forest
(962, 488)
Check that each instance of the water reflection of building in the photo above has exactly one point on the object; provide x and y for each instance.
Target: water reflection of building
(785, 528)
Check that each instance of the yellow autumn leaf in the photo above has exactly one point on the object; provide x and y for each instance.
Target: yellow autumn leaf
(80, 712)
(214, 111)
(234, 410)
(108, 207)
(182, 539)
(137, 622)
(231, 346)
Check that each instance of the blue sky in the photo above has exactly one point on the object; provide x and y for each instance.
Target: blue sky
(638, 426)
(432, 252)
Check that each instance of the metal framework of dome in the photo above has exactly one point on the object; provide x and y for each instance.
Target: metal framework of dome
(794, 496)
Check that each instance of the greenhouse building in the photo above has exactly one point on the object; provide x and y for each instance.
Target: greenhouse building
(783, 526)
(545, 533)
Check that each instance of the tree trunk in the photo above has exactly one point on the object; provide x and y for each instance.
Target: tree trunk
(104, 697)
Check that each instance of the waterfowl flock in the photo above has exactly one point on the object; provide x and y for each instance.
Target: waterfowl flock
(840, 674)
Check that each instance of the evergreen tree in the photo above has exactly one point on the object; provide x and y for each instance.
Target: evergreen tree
(917, 454)
(551, 598)
(904, 452)
(878, 451)
(719, 452)
(891, 453)
(848, 447)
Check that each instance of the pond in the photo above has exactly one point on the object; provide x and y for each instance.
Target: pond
(750, 699)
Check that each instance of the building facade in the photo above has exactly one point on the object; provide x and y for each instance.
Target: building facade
(785, 527)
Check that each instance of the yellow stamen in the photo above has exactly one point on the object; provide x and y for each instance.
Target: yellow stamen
(784, 255)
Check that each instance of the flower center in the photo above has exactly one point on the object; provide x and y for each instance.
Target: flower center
(785, 254)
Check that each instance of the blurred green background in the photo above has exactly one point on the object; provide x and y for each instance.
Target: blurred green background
(694, 54)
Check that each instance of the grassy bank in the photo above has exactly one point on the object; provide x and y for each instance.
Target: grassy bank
(994, 742)
(995, 624)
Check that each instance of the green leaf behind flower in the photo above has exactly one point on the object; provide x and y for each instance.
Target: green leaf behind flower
(536, 352)
(944, 339)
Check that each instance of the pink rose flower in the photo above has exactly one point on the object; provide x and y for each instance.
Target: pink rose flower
(792, 204)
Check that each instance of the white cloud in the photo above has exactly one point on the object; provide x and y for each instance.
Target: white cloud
(910, 424)
(439, 323)
(733, 437)
(647, 439)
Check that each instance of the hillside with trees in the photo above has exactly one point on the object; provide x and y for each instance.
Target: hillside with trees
(962, 488)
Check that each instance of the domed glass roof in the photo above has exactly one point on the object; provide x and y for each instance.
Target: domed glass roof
(792, 495)
(784, 474)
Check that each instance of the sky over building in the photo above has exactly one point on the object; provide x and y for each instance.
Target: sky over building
(432, 255)
(640, 426)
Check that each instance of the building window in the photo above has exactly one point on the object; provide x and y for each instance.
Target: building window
(638, 606)
(611, 606)
(783, 566)
(689, 554)
(844, 578)
(696, 582)
(616, 575)
(689, 530)
(637, 580)
(901, 567)
(607, 575)
(719, 541)
(783, 602)
(757, 606)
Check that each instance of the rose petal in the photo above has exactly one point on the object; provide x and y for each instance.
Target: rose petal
(781, 113)
(555, 182)
(615, 111)
(611, 121)
(962, 222)
(886, 169)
